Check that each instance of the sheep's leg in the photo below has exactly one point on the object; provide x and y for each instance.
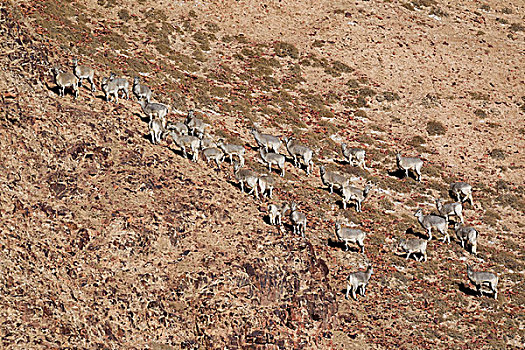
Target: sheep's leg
(195, 155)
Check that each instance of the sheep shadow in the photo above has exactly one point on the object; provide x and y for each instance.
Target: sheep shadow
(56, 90)
(410, 231)
(254, 148)
(142, 118)
(349, 205)
(238, 186)
(279, 229)
(337, 191)
(467, 290)
(400, 174)
(287, 227)
(336, 244)
(341, 245)
(87, 86)
(266, 220)
(178, 152)
(147, 137)
(67, 91)
(453, 196)
(102, 97)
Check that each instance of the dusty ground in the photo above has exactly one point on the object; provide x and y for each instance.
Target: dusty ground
(110, 242)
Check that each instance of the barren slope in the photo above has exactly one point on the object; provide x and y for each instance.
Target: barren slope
(109, 241)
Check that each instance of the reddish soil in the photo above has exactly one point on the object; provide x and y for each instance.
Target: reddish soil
(108, 241)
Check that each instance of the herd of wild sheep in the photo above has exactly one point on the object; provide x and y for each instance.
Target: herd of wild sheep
(191, 136)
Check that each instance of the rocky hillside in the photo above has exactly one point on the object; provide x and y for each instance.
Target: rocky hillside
(109, 241)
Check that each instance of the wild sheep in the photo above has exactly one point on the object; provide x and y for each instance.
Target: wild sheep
(266, 184)
(84, 72)
(430, 221)
(113, 85)
(232, 150)
(354, 154)
(298, 220)
(468, 235)
(121, 83)
(350, 235)
(331, 179)
(155, 110)
(195, 125)
(269, 142)
(462, 188)
(358, 280)
(276, 212)
(409, 163)
(450, 209)
(141, 91)
(178, 127)
(299, 151)
(483, 279)
(156, 128)
(207, 142)
(357, 195)
(273, 158)
(412, 246)
(213, 153)
(248, 177)
(65, 80)
(185, 142)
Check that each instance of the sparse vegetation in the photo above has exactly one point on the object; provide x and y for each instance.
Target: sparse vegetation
(485, 7)
(437, 11)
(517, 27)
(283, 49)
(497, 154)
(352, 83)
(430, 100)
(475, 95)
(123, 14)
(481, 113)
(435, 127)
(416, 141)
(162, 224)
